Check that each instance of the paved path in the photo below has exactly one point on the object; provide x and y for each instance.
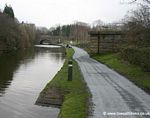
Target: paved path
(111, 92)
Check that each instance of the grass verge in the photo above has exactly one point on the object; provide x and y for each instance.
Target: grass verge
(132, 72)
(75, 104)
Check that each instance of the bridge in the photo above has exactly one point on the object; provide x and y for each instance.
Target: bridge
(47, 39)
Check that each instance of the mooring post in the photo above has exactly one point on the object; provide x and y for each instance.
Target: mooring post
(70, 70)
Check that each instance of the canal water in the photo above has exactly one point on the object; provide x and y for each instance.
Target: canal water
(23, 75)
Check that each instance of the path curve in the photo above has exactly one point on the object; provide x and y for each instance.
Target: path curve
(111, 92)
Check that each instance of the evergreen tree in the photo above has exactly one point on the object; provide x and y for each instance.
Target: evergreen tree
(9, 11)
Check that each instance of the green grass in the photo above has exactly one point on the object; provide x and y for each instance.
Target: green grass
(132, 72)
(75, 103)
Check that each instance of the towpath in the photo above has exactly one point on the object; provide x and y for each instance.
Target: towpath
(113, 95)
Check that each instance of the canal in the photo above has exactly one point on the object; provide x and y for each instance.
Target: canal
(23, 75)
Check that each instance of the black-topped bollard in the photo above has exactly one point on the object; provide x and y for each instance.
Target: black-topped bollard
(70, 70)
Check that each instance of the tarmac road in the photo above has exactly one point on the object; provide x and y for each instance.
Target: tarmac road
(113, 95)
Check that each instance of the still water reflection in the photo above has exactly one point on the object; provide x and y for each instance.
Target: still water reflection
(23, 75)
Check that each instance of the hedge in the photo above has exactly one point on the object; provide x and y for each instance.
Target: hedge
(137, 55)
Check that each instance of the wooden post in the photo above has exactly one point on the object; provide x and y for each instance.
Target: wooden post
(98, 44)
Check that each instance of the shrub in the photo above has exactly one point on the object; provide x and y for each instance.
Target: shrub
(145, 60)
(137, 55)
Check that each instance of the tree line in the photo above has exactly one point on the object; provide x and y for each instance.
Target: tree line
(136, 25)
(14, 35)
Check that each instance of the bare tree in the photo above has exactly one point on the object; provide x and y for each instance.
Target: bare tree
(137, 26)
(133, 1)
(141, 16)
(98, 24)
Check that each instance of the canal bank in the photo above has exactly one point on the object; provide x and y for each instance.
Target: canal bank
(71, 96)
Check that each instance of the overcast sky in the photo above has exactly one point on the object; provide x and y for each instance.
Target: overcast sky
(51, 12)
